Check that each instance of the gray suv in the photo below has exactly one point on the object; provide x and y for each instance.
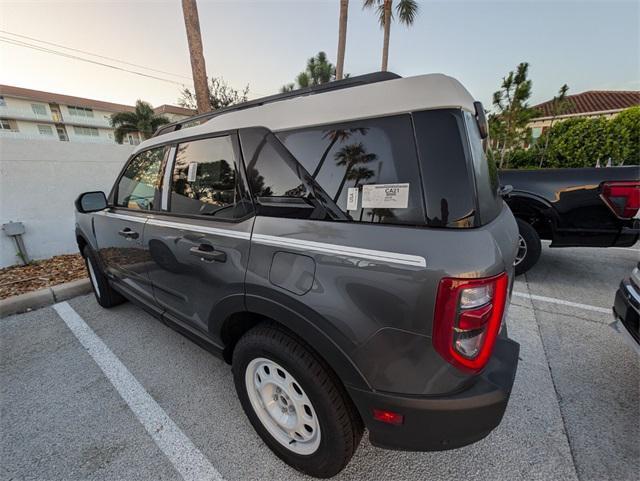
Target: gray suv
(345, 248)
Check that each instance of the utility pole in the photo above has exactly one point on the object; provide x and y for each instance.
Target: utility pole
(342, 37)
(198, 69)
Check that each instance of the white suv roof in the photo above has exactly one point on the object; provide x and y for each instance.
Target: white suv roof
(402, 95)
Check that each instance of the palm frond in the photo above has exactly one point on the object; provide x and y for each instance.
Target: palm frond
(407, 11)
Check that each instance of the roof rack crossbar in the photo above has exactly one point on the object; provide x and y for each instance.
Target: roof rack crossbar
(326, 87)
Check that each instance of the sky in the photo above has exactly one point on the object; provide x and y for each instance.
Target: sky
(590, 45)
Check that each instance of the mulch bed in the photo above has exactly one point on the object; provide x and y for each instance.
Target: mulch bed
(16, 280)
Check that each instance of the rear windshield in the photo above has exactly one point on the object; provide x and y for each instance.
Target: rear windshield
(486, 174)
(447, 178)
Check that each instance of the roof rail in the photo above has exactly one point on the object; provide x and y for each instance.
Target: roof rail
(325, 87)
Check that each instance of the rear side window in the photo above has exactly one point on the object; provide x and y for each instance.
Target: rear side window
(486, 174)
(369, 168)
(448, 180)
(206, 180)
(139, 186)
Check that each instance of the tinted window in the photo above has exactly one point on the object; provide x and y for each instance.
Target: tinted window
(139, 186)
(371, 162)
(205, 179)
(281, 186)
(486, 174)
(448, 183)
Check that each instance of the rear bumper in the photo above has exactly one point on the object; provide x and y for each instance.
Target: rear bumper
(444, 422)
(626, 310)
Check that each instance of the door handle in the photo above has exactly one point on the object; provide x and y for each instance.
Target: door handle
(128, 233)
(207, 253)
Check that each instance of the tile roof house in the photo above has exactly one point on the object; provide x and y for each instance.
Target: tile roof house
(593, 103)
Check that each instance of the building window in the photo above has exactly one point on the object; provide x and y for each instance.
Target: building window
(90, 131)
(80, 111)
(3, 103)
(39, 109)
(5, 125)
(45, 130)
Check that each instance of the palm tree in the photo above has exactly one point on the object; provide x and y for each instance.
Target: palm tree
(336, 135)
(143, 120)
(342, 37)
(319, 71)
(406, 11)
(350, 156)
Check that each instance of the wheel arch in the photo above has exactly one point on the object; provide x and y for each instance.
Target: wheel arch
(536, 211)
(231, 326)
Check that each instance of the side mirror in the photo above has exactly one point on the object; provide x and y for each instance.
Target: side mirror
(481, 118)
(91, 202)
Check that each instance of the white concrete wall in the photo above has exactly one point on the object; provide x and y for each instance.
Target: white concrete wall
(39, 180)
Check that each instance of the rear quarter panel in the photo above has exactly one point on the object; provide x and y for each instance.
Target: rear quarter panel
(380, 313)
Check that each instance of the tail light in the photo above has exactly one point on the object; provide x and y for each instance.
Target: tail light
(467, 319)
(623, 198)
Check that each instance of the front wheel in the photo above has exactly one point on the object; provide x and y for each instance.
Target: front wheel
(295, 402)
(529, 247)
(105, 294)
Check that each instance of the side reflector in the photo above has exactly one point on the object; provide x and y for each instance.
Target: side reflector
(388, 417)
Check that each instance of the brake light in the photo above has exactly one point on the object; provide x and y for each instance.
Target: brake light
(388, 417)
(467, 319)
(623, 198)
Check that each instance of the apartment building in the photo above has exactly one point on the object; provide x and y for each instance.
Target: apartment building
(34, 114)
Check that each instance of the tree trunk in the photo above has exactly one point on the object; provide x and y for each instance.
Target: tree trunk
(387, 31)
(342, 37)
(198, 69)
(324, 157)
(546, 143)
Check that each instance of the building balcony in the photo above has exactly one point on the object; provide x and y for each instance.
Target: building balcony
(24, 114)
(10, 134)
(55, 117)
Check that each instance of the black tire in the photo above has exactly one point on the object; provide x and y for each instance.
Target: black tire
(339, 423)
(532, 245)
(105, 294)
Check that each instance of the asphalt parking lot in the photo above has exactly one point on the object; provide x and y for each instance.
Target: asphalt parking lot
(129, 398)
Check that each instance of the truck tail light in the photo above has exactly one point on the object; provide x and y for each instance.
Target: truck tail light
(467, 319)
(623, 198)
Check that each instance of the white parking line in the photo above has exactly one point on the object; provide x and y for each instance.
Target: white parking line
(185, 457)
(562, 302)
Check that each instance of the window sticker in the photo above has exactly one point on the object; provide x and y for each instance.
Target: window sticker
(193, 171)
(385, 196)
(352, 198)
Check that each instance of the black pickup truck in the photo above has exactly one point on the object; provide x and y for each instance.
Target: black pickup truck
(573, 207)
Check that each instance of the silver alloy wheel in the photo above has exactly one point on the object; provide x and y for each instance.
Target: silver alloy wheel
(522, 251)
(282, 406)
(92, 275)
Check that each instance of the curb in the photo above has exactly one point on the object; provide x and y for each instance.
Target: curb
(44, 297)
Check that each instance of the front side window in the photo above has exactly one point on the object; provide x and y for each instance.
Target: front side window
(206, 180)
(139, 186)
(3, 102)
(80, 111)
(4, 124)
(369, 168)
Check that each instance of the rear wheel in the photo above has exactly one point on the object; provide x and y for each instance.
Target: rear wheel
(295, 402)
(529, 247)
(105, 295)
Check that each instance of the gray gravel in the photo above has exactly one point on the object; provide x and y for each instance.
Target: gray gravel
(573, 413)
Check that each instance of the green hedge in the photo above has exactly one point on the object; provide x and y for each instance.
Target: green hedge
(582, 142)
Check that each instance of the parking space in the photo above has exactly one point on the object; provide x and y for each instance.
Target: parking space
(64, 415)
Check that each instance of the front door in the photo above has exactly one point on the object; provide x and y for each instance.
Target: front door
(119, 230)
(199, 246)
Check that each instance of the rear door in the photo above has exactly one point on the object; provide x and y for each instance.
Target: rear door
(199, 243)
(119, 230)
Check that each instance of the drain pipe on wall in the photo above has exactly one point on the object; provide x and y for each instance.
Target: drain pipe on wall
(15, 230)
